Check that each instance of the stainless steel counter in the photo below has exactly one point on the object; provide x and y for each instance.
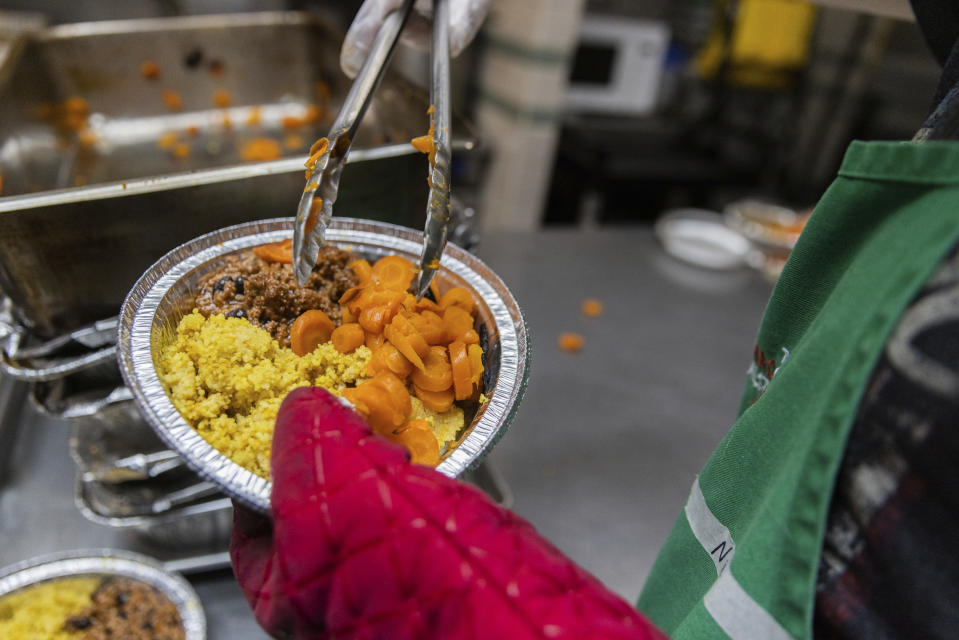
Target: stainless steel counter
(607, 440)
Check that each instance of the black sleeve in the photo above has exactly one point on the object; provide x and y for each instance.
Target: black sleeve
(889, 567)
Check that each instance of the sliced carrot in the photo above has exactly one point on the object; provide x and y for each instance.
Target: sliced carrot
(316, 207)
(362, 270)
(374, 319)
(425, 304)
(310, 329)
(375, 406)
(281, 251)
(423, 144)
(436, 375)
(592, 308)
(407, 340)
(386, 358)
(438, 401)
(149, 70)
(393, 272)
(475, 353)
(398, 393)
(419, 440)
(349, 296)
(394, 361)
(458, 297)
(430, 326)
(570, 342)
(347, 337)
(319, 147)
(172, 99)
(347, 316)
(460, 366)
(374, 340)
(222, 98)
(456, 323)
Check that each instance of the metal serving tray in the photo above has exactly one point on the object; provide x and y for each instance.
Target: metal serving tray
(85, 210)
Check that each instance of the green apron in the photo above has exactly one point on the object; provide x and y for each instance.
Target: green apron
(742, 558)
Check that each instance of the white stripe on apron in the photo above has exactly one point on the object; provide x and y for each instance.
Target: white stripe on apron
(726, 601)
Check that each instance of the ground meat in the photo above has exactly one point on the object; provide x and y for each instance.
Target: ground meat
(266, 293)
(129, 609)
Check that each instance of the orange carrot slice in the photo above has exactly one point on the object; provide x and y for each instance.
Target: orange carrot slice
(430, 326)
(457, 323)
(310, 329)
(404, 336)
(419, 440)
(475, 353)
(393, 272)
(436, 374)
(374, 319)
(438, 401)
(362, 269)
(281, 251)
(399, 395)
(347, 337)
(570, 342)
(458, 297)
(462, 375)
(374, 340)
(591, 308)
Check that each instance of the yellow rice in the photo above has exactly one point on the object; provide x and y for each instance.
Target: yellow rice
(227, 378)
(39, 612)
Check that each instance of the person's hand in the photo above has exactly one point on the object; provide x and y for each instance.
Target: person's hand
(364, 544)
(466, 16)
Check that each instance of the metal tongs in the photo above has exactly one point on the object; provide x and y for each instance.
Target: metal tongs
(309, 229)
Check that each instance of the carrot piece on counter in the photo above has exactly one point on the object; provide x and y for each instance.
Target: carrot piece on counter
(462, 375)
(222, 98)
(592, 308)
(570, 342)
(310, 329)
(347, 337)
(458, 297)
(149, 70)
(436, 374)
(281, 251)
(362, 270)
(393, 272)
(419, 440)
(438, 401)
(172, 100)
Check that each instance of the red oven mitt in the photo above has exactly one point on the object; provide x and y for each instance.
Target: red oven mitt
(364, 544)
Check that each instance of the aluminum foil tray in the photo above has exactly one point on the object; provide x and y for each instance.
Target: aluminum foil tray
(165, 293)
(110, 562)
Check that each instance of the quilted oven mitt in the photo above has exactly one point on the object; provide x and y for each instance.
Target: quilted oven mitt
(363, 544)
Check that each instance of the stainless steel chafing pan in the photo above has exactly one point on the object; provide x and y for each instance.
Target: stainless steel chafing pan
(85, 210)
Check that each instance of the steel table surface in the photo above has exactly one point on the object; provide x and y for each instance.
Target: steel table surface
(605, 445)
